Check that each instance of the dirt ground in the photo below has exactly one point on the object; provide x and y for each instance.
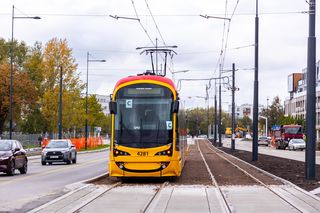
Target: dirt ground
(291, 170)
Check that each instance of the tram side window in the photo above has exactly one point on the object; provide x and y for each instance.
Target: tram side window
(181, 126)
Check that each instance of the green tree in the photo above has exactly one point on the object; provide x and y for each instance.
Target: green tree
(34, 121)
(198, 120)
(96, 117)
(275, 113)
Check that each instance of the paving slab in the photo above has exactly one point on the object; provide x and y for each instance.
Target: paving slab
(181, 199)
(255, 199)
(66, 200)
(301, 200)
(122, 199)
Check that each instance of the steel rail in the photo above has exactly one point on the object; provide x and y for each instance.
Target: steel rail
(97, 196)
(145, 208)
(214, 182)
(214, 149)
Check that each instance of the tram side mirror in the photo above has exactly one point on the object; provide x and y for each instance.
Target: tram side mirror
(113, 107)
(175, 108)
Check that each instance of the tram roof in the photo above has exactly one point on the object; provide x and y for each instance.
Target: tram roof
(146, 77)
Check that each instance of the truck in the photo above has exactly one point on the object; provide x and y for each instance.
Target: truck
(281, 135)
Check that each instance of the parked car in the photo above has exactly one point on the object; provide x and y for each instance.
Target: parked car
(263, 140)
(248, 136)
(12, 157)
(59, 151)
(295, 144)
(202, 136)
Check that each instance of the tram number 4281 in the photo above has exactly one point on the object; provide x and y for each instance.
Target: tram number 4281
(143, 154)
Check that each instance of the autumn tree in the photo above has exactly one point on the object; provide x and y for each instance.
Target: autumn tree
(56, 54)
(23, 90)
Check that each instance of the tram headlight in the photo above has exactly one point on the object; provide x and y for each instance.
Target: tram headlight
(120, 165)
(117, 152)
(164, 165)
(167, 152)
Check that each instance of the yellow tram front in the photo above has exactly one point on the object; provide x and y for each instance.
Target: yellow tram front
(144, 135)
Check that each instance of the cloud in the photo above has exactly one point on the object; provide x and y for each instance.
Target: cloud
(87, 27)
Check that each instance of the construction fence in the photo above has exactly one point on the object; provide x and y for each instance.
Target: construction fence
(80, 143)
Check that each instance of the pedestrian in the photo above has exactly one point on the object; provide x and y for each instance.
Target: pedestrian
(40, 140)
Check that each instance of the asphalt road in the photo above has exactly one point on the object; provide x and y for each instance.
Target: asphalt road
(41, 184)
(247, 146)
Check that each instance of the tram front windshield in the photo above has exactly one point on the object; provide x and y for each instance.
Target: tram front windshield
(144, 117)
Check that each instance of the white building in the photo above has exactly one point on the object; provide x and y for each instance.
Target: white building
(296, 105)
(104, 101)
(244, 110)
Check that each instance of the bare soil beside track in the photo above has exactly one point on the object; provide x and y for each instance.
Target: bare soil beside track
(291, 170)
(195, 172)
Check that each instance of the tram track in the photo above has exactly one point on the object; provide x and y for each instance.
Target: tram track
(78, 208)
(232, 160)
(219, 192)
(145, 208)
(113, 191)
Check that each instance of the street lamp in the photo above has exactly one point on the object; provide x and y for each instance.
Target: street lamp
(179, 71)
(11, 65)
(87, 85)
(216, 17)
(256, 88)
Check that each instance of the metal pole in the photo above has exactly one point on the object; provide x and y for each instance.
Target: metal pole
(233, 109)
(266, 126)
(220, 110)
(310, 169)
(215, 113)
(86, 124)
(208, 118)
(157, 56)
(60, 106)
(11, 76)
(267, 116)
(256, 89)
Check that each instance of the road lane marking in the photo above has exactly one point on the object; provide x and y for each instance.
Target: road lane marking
(53, 171)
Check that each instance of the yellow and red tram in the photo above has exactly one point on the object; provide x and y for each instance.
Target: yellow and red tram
(148, 131)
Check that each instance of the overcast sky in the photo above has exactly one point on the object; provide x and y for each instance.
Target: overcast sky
(87, 27)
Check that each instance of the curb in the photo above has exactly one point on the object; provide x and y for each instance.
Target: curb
(57, 199)
(76, 185)
(71, 188)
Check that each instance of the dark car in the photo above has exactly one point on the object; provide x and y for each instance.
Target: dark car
(59, 151)
(12, 157)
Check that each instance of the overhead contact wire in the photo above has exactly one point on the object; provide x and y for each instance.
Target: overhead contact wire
(144, 29)
(155, 23)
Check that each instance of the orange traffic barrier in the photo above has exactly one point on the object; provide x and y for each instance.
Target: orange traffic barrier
(80, 143)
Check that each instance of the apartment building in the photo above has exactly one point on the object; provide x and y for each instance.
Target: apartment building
(295, 105)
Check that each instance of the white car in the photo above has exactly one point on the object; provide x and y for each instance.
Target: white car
(295, 144)
(263, 140)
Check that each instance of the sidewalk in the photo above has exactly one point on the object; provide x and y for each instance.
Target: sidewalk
(293, 155)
